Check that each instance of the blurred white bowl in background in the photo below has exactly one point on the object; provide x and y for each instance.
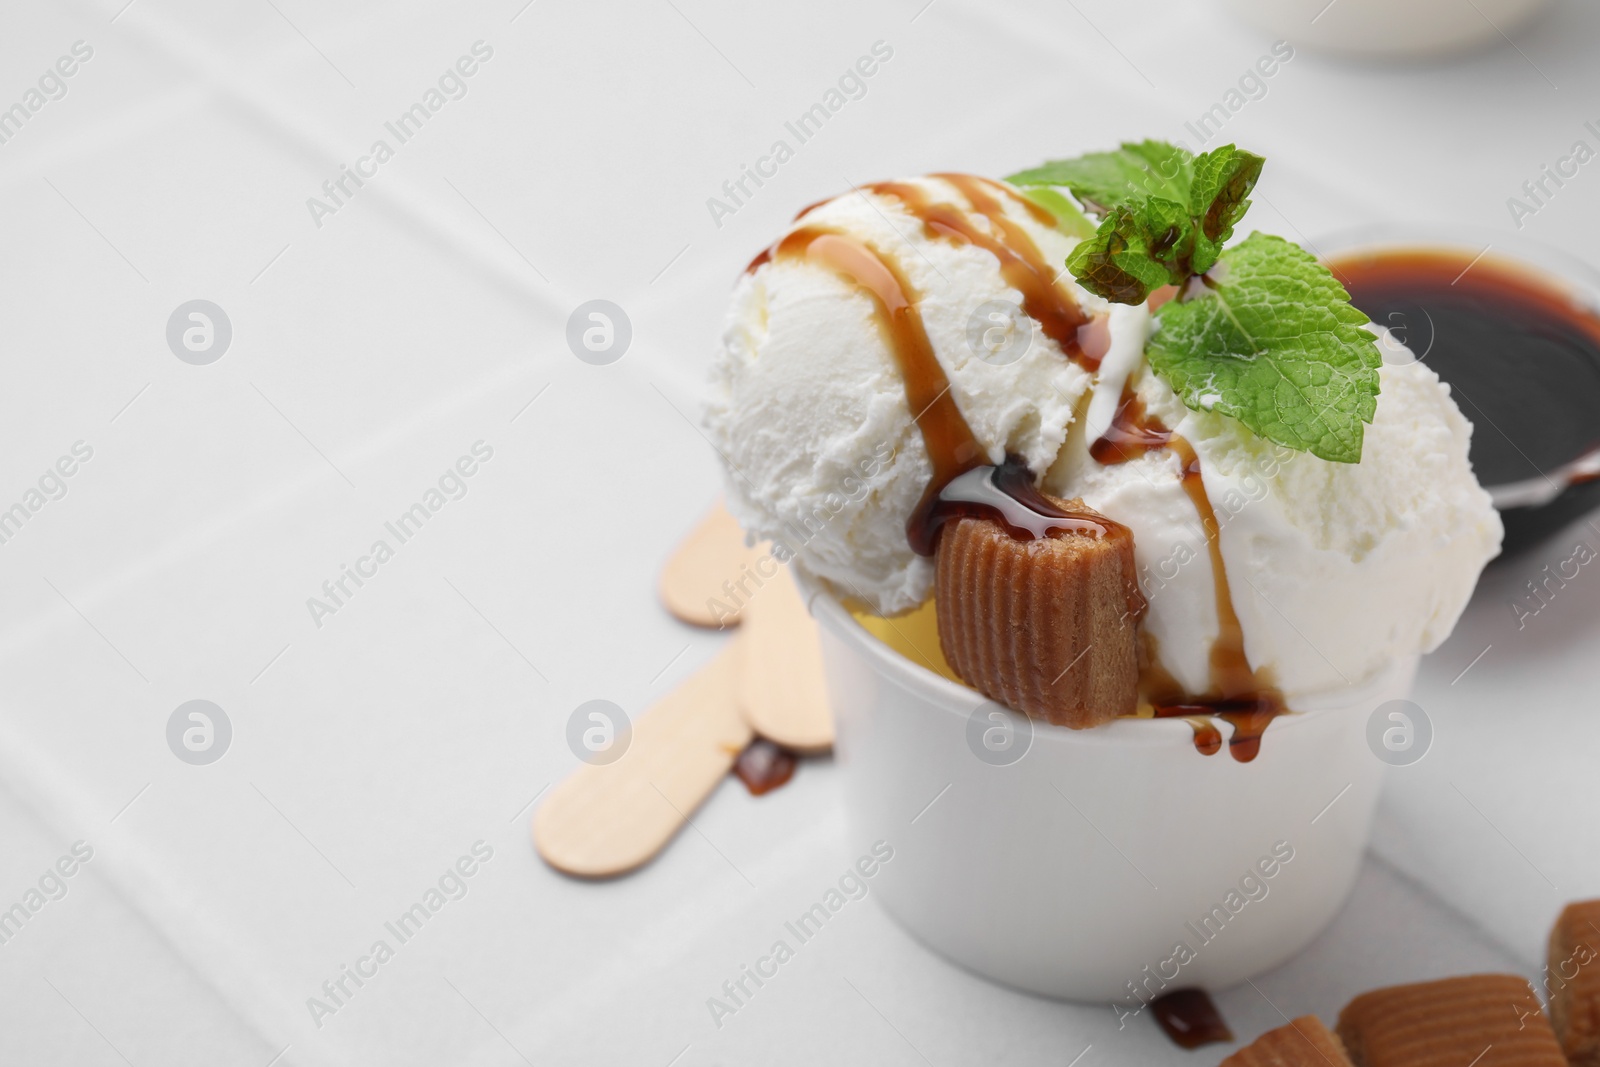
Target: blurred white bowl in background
(1388, 27)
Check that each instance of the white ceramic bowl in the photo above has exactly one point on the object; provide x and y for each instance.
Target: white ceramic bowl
(1090, 858)
(1388, 27)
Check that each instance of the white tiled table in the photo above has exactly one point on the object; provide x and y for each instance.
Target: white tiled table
(423, 316)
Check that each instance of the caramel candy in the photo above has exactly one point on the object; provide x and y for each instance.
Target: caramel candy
(1304, 1042)
(1573, 982)
(1482, 1020)
(1045, 625)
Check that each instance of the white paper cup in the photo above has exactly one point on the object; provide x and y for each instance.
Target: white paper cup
(1077, 870)
(1388, 27)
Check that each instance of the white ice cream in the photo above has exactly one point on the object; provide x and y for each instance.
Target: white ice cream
(808, 408)
(1335, 569)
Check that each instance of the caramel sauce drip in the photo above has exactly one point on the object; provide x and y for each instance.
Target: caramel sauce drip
(1083, 339)
(809, 208)
(953, 449)
(1007, 495)
(1132, 433)
(1249, 716)
(1237, 694)
(1094, 339)
(1159, 296)
(1207, 738)
(1190, 1018)
(1021, 263)
(763, 256)
(764, 766)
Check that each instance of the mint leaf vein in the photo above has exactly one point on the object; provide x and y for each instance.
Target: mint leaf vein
(1272, 340)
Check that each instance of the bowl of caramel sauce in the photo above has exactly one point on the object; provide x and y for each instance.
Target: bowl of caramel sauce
(1514, 328)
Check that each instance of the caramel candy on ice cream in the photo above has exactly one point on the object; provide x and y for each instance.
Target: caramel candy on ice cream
(1047, 626)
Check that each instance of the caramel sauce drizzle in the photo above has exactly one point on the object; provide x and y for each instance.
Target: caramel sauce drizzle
(953, 449)
(1237, 694)
(1007, 494)
(1207, 738)
(763, 256)
(1190, 1018)
(1083, 339)
(764, 766)
(809, 208)
(1132, 433)
(1021, 263)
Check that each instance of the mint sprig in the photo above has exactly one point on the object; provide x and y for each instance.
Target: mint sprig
(1136, 250)
(1260, 332)
(1165, 214)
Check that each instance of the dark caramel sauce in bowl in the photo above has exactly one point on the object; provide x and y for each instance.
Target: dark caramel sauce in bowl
(1514, 328)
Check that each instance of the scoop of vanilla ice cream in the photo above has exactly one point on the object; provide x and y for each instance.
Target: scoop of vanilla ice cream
(808, 407)
(1335, 569)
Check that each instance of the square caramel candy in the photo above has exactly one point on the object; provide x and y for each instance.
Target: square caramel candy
(1048, 626)
(1304, 1042)
(1481, 1020)
(1572, 980)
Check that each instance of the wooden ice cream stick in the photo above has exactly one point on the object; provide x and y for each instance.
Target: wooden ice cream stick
(715, 580)
(780, 683)
(608, 819)
(706, 581)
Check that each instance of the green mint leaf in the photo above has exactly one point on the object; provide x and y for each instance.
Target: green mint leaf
(1103, 181)
(1135, 251)
(1218, 199)
(1271, 339)
(1159, 207)
(1262, 332)
(1069, 219)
